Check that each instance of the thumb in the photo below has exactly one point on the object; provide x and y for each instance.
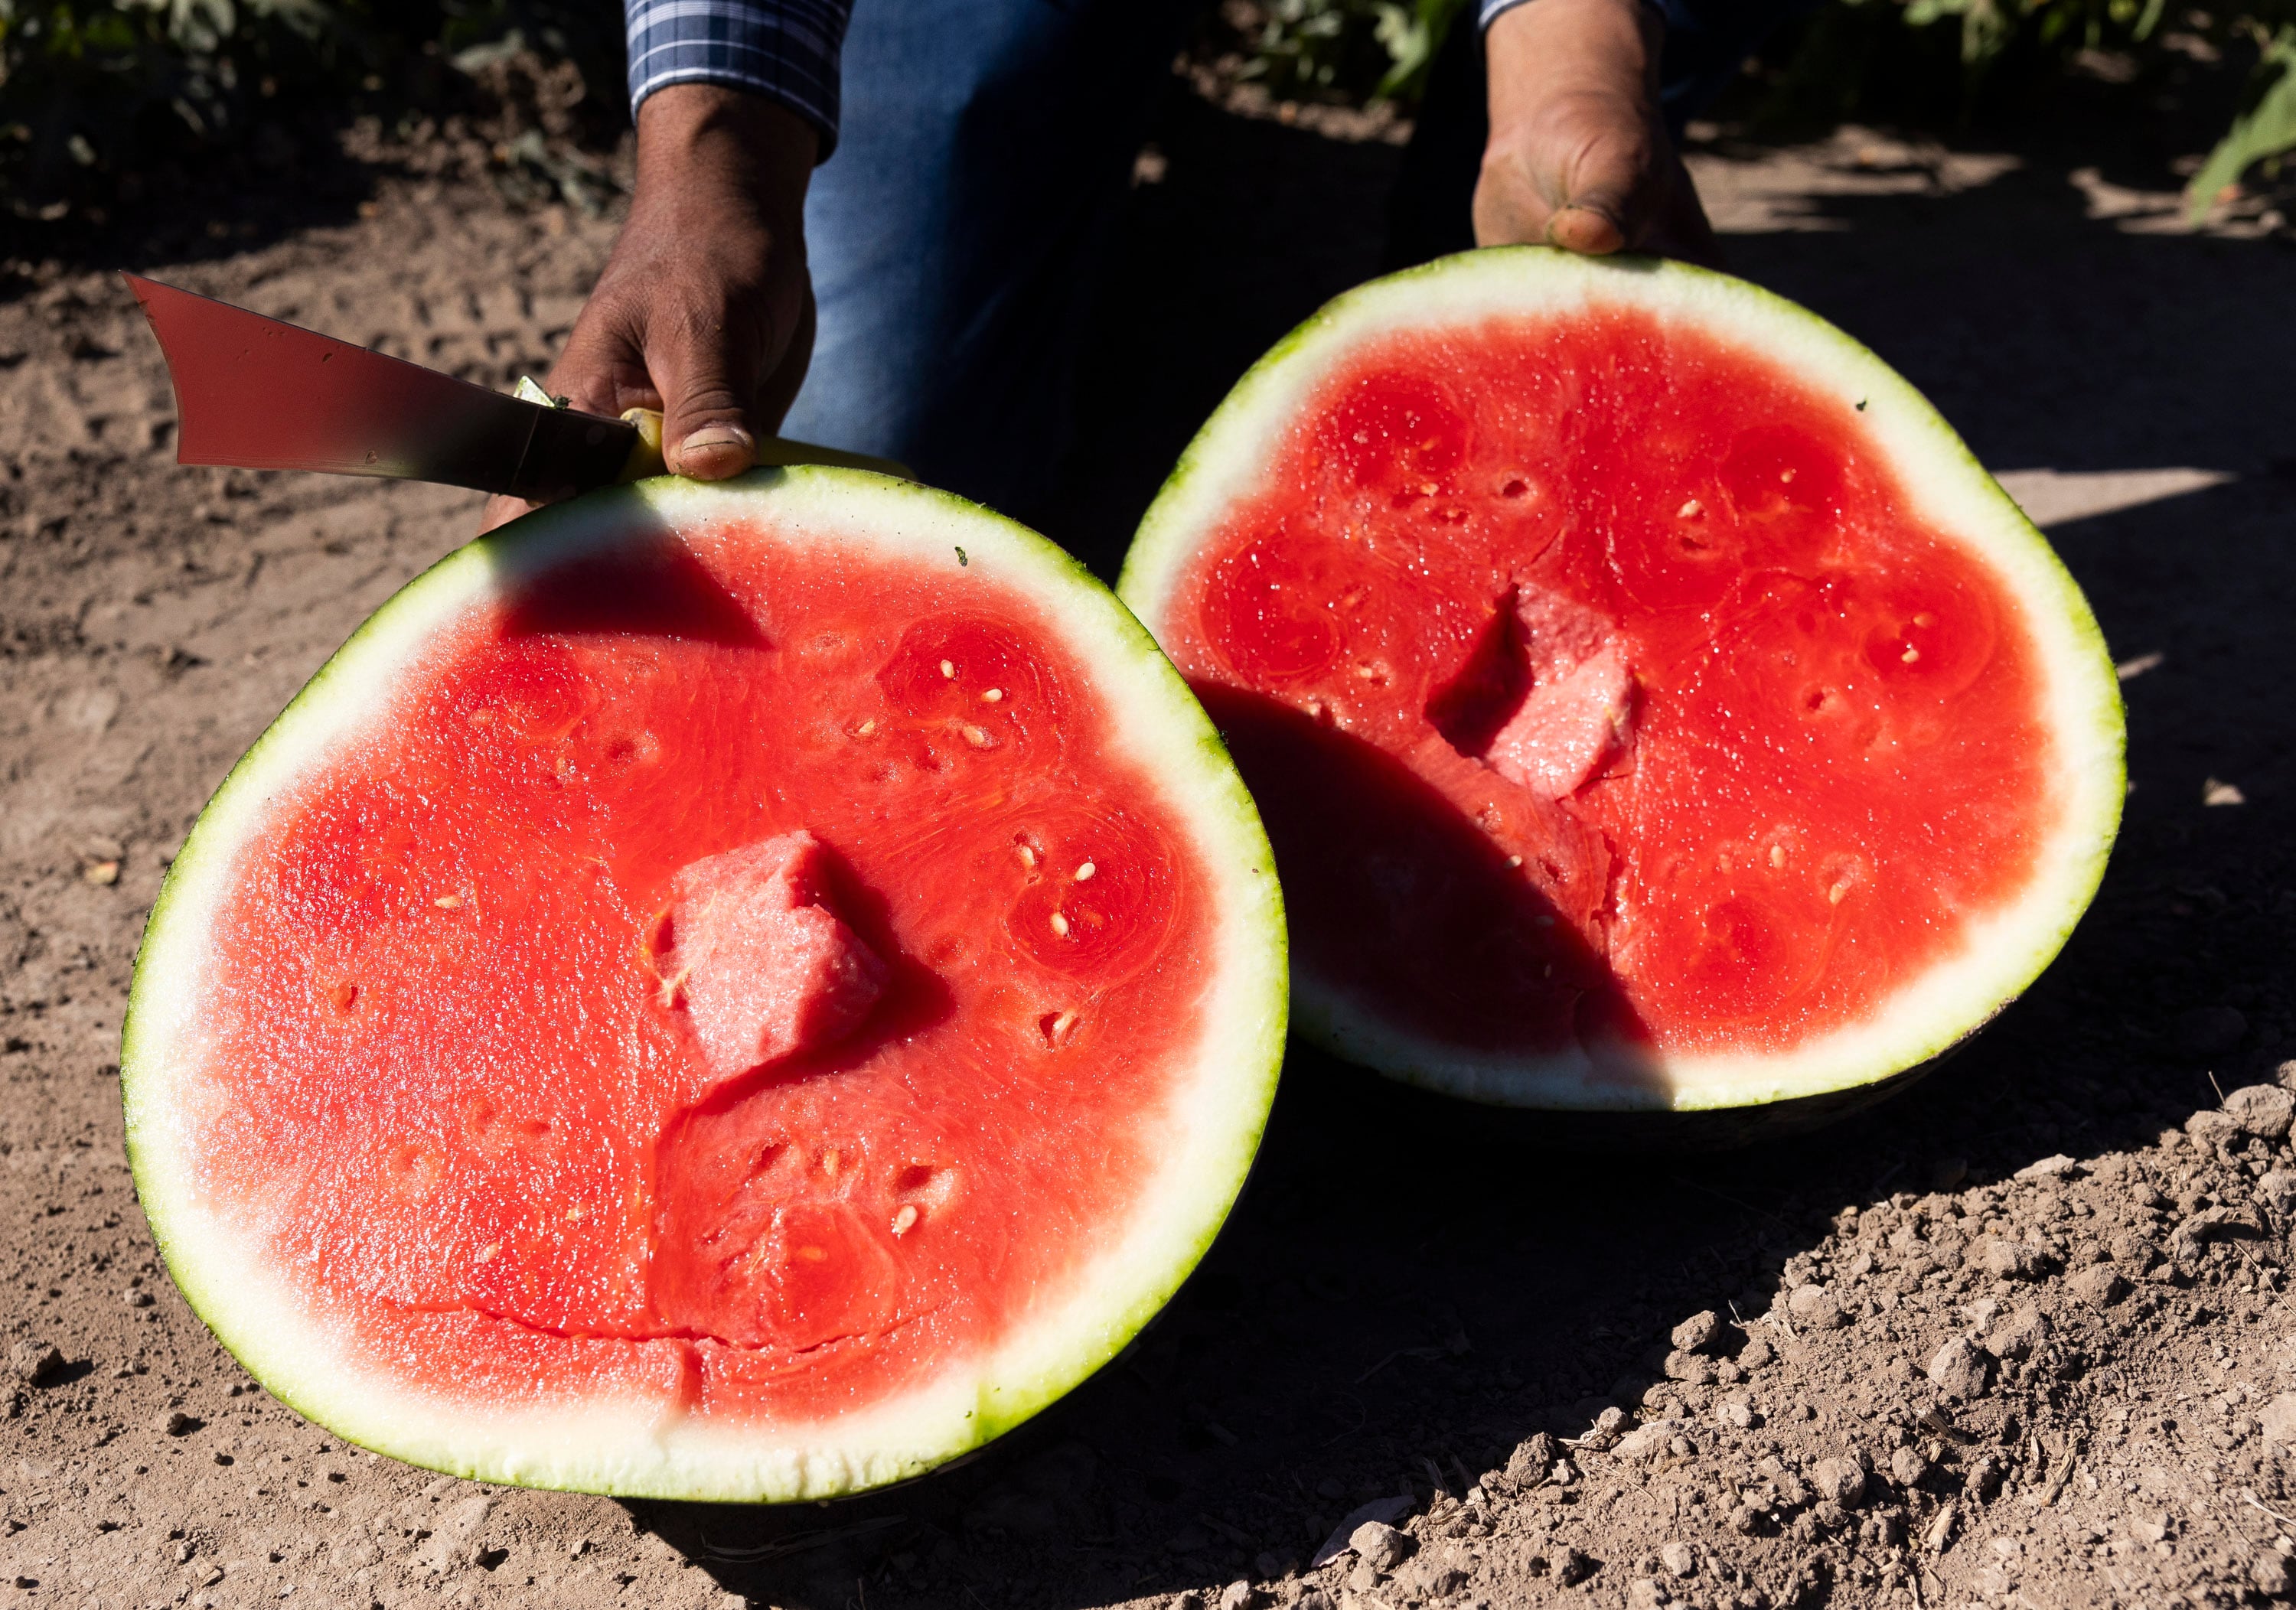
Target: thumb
(704, 369)
(1605, 194)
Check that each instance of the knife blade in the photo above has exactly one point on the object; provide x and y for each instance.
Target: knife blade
(262, 394)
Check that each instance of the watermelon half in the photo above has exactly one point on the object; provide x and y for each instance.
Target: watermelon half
(1652, 704)
(740, 993)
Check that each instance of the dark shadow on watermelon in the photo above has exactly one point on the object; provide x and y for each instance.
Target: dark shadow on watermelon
(659, 591)
(1487, 960)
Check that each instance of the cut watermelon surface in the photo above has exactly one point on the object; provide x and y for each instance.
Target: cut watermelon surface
(737, 993)
(1651, 703)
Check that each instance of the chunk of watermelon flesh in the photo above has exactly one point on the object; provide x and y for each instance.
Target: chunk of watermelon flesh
(1545, 698)
(750, 950)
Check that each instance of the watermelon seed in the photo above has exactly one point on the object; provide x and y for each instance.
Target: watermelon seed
(1085, 872)
(949, 669)
(993, 696)
(1910, 655)
(1691, 510)
(1028, 856)
(1060, 924)
(487, 1252)
(1777, 854)
(1515, 860)
(1925, 619)
(1833, 895)
(1786, 474)
(905, 1220)
(866, 728)
(977, 737)
(574, 1213)
(448, 902)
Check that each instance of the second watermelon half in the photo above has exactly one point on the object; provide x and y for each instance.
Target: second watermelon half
(1652, 704)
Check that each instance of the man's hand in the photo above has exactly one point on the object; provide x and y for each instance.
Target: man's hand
(704, 310)
(1578, 157)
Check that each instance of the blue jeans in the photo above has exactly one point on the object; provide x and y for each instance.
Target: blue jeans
(986, 147)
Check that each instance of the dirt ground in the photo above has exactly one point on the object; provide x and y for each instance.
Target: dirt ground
(2020, 1335)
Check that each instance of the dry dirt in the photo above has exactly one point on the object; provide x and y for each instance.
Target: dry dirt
(2020, 1335)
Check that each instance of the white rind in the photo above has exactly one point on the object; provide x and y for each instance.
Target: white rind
(634, 1447)
(1945, 486)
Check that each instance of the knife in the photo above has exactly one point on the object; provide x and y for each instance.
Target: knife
(261, 394)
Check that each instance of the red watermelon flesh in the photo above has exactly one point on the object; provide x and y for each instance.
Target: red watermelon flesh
(730, 977)
(1607, 691)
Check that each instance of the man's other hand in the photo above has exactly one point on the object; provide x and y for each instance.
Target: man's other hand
(1578, 157)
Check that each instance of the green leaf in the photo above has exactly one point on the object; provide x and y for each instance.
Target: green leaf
(2266, 128)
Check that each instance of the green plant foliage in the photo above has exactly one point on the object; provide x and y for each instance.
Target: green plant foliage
(2264, 133)
(89, 88)
(1356, 50)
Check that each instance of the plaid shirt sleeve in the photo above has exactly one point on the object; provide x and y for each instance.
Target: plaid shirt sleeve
(785, 50)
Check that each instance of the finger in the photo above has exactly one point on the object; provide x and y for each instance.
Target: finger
(707, 366)
(501, 509)
(781, 387)
(1590, 227)
(602, 370)
(1609, 186)
(1681, 229)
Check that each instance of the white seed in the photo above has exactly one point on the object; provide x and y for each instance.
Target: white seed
(1833, 895)
(1028, 856)
(866, 728)
(1515, 860)
(575, 1213)
(1084, 873)
(1060, 924)
(448, 902)
(1925, 619)
(1061, 1024)
(1910, 655)
(487, 1252)
(1786, 475)
(1777, 854)
(977, 737)
(994, 696)
(948, 668)
(1691, 510)
(904, 1220)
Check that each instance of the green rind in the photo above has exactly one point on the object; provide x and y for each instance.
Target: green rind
(1915, 436)
(1249, 986)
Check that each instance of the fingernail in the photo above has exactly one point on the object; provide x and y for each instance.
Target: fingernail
(716, 435)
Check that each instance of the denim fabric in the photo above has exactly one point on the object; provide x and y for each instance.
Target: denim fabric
(986, 147)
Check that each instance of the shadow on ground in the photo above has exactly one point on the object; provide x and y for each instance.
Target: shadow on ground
(1407, 1289)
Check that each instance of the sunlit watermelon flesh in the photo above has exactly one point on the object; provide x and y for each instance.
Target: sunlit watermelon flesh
(454, 1086)
(1599, 687)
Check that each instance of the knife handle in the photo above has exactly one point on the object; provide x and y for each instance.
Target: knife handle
(774, 450)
